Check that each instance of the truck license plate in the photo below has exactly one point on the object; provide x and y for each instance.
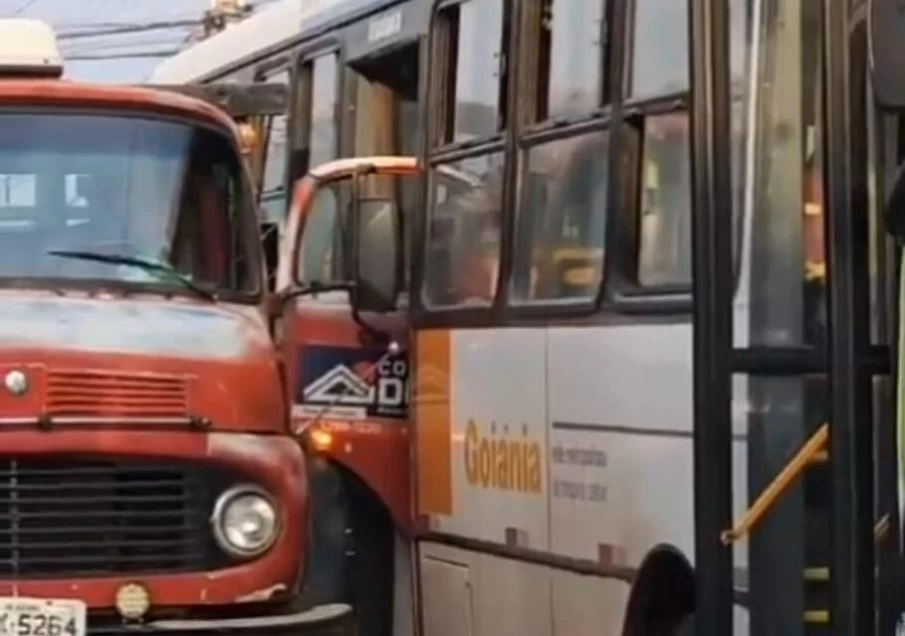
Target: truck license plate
(21, 616)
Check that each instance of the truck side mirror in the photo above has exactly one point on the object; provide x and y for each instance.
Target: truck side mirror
(887, 55)
(376, 254)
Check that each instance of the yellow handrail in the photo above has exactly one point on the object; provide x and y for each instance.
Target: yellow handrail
(778, 486)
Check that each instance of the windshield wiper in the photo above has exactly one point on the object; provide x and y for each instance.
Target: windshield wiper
(141, 263)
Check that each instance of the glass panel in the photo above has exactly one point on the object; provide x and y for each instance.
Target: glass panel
(773, 417)
(575, 56)
(123, 186)
(561, 220)
(375, 109)
(478, 65)
(786, 294)
(664, 252)
(660, 46)
(273, 207)
(275, 159)
(320, 253)
(323, 110)
(463, 250)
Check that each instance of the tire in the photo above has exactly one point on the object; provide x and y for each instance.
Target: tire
(686, 627)
(371, 563)
(351, 550)
(326, 577)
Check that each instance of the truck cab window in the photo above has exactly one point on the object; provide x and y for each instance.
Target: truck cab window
(122, 187)
(208, 242)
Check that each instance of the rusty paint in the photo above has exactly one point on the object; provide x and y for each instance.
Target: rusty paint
(24, 92)
(260, 596)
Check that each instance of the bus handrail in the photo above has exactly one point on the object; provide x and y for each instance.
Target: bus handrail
(771, 494)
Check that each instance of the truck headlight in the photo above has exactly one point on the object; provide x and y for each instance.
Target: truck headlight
(245, 521)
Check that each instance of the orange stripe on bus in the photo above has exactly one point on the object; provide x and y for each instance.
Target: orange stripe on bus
(433, 422)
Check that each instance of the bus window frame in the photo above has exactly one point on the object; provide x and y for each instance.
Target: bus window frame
(510, 140)
(264, 72)
(627, 292)
(434, 109)
(443, 102)
(528, 121)
(531, 132)
(301, 103)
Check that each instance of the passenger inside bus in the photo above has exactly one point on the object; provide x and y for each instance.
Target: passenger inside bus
(464, 244)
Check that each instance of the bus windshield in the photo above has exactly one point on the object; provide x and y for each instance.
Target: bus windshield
(123, 189)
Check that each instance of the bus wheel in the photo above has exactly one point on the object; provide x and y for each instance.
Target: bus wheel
(686, 627)
(371, 562)
(326, 580)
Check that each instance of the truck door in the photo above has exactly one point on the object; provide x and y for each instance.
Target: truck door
(348, 373)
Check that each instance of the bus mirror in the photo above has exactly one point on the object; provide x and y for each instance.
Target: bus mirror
(376, 254)
(887, 29)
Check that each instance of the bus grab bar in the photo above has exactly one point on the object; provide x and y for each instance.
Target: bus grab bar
(806, 454)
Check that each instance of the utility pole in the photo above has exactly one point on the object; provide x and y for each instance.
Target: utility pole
(222, 14)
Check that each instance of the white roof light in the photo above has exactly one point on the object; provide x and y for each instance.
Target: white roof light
(29, 47)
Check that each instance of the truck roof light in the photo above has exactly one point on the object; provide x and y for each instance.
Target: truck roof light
(29, 48)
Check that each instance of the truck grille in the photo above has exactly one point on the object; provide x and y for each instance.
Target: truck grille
(64, 517)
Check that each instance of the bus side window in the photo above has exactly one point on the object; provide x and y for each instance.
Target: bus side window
(463, 248)
(273, 187)
(559, 249)
(474, 37)
(664, 233)
(314, 119)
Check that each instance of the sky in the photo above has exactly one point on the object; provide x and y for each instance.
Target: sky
(73, 16)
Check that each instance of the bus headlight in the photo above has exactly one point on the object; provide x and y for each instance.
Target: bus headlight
(245, 521)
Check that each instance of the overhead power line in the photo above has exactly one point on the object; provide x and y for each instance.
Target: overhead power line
(126, 28)
(22, 9)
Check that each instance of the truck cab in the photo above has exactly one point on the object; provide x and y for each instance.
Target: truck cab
(148, 478)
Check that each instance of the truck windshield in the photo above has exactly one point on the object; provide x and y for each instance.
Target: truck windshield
(128, 189)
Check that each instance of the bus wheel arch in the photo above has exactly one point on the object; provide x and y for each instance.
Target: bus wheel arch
(662, 595)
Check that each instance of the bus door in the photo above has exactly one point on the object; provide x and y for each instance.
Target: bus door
(348, 372)
(786, 513)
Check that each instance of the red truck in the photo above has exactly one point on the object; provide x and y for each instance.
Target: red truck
(149, 480)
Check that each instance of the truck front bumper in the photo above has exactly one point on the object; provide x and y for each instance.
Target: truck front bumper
(324, 620)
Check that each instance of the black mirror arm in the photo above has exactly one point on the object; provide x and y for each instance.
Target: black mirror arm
(353, 232)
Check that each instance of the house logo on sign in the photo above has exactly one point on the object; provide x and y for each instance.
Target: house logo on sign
(349, 384)
(341, 383)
